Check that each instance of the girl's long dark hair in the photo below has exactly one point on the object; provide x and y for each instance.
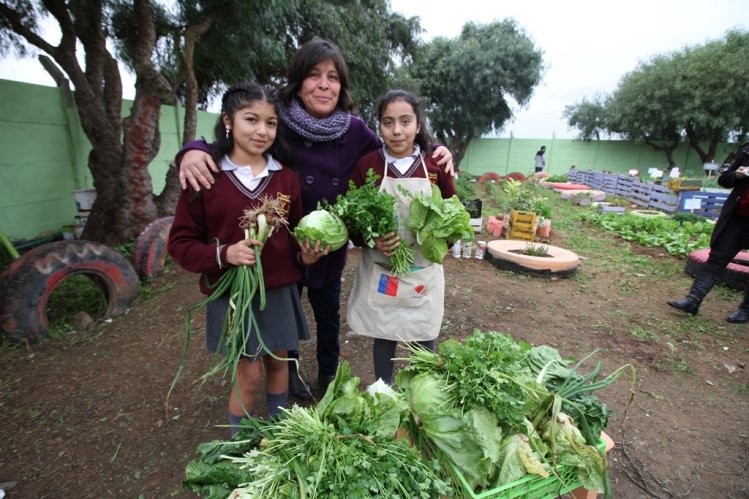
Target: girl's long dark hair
(236, 98)
(424, 136)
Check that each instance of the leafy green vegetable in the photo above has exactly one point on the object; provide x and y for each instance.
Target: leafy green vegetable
(486, 370)
(469, 439)
(465, 398)
(519, 459)
(438, 222)
(370, 213)
(569, 444)
(344, 447)
(323, 226)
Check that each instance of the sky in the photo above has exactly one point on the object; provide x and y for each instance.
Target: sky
(588, 45)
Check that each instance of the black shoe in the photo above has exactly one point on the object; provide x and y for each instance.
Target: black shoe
(298, 387)
(687, 306)
(740, 316)
(324, 382)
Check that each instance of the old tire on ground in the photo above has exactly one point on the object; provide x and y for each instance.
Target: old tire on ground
(27, 284)
(490, 176)
(150, 250)
(736, 274)
(516, 176)
(560, 263)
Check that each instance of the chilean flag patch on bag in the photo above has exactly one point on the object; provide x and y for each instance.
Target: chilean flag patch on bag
(388, 285)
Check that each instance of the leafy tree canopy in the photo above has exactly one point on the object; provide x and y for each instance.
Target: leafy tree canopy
(699, 94)
(588, 117)
(468, 83)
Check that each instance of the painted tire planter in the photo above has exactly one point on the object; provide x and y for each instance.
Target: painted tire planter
(504, 254)
(596, 195)
(490, 176)
(516, 176)
(150, 250)
(27, 284)
(563, 186)
(648, 213)
(736, 274)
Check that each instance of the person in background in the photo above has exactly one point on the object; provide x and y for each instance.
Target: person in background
(325, 142)
(206, 238)
(730, 235)
(540, 161)
(410, 307)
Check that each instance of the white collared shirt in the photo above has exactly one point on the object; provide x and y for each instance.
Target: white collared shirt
(403, 164)
(244, 172)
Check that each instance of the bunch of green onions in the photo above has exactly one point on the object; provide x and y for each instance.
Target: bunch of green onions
(242, 283)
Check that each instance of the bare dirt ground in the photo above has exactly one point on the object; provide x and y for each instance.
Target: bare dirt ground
(85, 417)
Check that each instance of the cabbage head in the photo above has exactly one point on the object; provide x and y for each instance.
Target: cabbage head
(323, 226)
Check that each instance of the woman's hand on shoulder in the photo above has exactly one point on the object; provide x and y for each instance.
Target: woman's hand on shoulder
(195, 168)
(312, 252)
(387, 243)
(444, 158)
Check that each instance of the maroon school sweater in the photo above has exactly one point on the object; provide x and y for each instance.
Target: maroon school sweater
(215, 213)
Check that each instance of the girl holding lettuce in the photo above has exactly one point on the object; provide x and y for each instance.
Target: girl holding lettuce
(384, 306)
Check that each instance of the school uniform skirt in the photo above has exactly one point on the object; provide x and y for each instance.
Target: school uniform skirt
(282, 324)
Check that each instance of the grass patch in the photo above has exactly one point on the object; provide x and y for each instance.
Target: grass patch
(78, 293)
(642, 334)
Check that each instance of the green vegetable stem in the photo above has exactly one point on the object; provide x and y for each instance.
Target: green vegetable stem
(242, 284)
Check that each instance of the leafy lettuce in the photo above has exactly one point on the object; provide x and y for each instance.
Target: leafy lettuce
(438, 222)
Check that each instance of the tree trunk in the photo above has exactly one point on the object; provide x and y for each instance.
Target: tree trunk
(666, 148)
(458, 145)
(119, 155)
(694, 142)
(166, 202)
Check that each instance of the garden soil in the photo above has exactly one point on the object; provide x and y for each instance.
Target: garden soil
(87, 416)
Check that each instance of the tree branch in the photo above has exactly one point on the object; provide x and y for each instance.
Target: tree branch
(16, 24)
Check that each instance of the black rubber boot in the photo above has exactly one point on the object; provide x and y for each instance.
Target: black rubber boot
(703, 283)
(297, 386)
(741, 314)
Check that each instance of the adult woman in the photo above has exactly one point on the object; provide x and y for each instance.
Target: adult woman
(730, 235)
(325, 142)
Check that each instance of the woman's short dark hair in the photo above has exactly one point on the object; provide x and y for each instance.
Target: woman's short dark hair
(310, 54)
(424, 136)
(236, 98)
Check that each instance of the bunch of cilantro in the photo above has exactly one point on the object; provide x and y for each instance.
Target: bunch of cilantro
(370, 213)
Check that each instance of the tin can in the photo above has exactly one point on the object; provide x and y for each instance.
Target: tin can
(480, 249)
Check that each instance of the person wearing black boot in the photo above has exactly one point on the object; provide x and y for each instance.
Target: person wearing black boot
(730, 235)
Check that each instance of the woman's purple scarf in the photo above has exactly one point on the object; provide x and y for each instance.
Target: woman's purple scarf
(317, 130)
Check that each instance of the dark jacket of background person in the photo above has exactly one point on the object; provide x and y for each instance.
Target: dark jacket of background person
(738, 188)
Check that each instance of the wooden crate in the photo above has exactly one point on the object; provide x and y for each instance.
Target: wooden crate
(706, 204)
(678, 184)
(663, 198)
(522, 218)
(521, 233)
(640, 193)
